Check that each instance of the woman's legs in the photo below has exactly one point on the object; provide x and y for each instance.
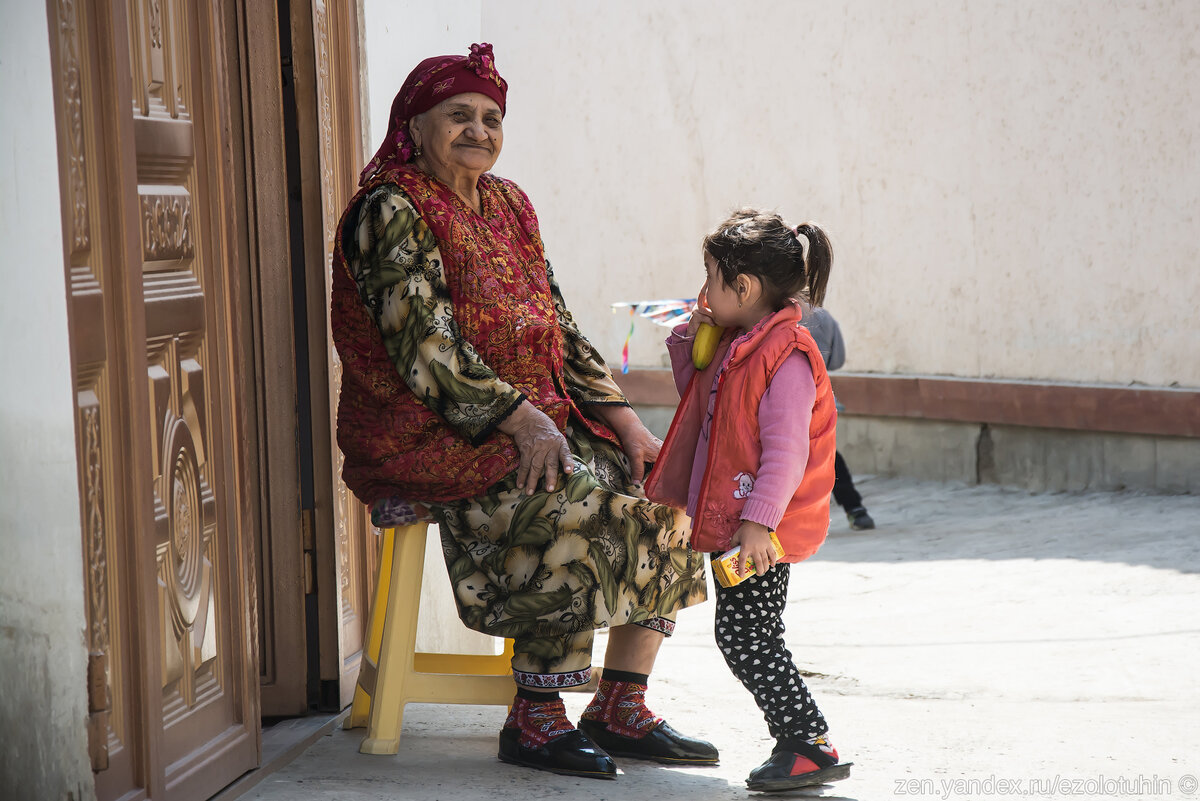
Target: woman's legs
(633, 648)
(553, 663)
(619, 703)
(537, 732)
(618, 719)
(503, 550)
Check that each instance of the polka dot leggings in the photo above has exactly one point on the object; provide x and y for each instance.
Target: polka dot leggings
(749, 631)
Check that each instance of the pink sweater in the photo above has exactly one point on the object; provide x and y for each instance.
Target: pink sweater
(785, 415)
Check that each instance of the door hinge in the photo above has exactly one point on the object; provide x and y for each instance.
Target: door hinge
(306, 530)
(310, 551)
(97, 724)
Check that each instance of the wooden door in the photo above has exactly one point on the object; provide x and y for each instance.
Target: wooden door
(325, 39)
(152, 232)
(276, 413)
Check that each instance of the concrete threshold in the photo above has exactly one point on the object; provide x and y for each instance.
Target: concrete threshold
(282, 742)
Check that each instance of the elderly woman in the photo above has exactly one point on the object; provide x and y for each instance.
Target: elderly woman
(468, 390)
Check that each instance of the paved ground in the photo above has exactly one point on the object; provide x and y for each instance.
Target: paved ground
(981, 643)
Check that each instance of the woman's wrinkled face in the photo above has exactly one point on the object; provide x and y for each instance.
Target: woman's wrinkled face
(462, 134)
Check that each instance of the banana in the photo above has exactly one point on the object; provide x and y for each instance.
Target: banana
(704, 346)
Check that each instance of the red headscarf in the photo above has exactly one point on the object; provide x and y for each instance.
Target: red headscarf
(432, 81)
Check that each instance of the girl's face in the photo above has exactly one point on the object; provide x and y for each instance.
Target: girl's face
(721, 299)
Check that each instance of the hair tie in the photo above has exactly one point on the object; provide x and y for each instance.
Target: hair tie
(804, 244)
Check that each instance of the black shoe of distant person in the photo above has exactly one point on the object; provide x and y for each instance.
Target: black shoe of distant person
(571, 754)
(662, 744)
(859, 519)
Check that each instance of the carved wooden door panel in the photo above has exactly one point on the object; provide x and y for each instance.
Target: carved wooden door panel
(151, 241)
(207, 671)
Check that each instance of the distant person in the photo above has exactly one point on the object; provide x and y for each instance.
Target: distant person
(828, 336)
(751, 451)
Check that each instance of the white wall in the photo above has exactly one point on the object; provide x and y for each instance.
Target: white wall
(43, 706)
(401, 34)
(1011, 186)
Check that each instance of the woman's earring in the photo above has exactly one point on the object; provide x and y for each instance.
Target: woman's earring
(416, 151)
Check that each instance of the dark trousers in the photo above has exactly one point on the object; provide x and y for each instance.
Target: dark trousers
(749, 632)
(844, 492)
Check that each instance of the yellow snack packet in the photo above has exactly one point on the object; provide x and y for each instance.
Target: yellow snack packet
(724, 567)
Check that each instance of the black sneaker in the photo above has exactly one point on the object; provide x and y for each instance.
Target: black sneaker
(859, 519)
(788, 770)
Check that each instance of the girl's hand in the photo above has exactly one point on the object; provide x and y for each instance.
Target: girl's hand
(699, 315)
(755, 539)
(542, 446)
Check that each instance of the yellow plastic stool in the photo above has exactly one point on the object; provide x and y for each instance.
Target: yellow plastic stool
(393, 673)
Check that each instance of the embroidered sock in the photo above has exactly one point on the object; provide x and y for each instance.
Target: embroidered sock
(620, 703)
(540, 719)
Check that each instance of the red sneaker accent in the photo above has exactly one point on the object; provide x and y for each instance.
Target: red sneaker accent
(803, 765)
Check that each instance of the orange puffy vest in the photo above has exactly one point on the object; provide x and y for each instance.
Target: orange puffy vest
(734, 446)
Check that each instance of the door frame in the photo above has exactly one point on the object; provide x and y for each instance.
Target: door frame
(326, 46)
(269, 353)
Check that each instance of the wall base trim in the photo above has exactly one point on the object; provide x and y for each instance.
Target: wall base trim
(1152, 411)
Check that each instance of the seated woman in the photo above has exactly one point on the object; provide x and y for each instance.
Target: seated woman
(468, 389)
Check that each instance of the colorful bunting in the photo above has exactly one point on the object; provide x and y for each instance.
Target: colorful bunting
(669, 313)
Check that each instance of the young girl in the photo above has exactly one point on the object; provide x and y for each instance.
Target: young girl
(751, 451)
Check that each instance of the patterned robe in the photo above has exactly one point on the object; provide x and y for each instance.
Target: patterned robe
(465, 310)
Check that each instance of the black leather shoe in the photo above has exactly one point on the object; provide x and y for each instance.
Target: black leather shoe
(662, 744)
(571, 754)
(777, 773)
(859, 519)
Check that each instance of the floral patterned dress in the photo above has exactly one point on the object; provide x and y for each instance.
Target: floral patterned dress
(549, 568)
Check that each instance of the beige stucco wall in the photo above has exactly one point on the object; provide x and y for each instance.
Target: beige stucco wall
(1011, 187)
(43, 706)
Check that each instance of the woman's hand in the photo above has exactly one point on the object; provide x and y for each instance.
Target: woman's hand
(639, 444)
(542, 446)
(755, 539)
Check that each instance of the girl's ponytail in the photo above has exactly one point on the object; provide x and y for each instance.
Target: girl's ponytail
(818, 260)
(793, 263)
